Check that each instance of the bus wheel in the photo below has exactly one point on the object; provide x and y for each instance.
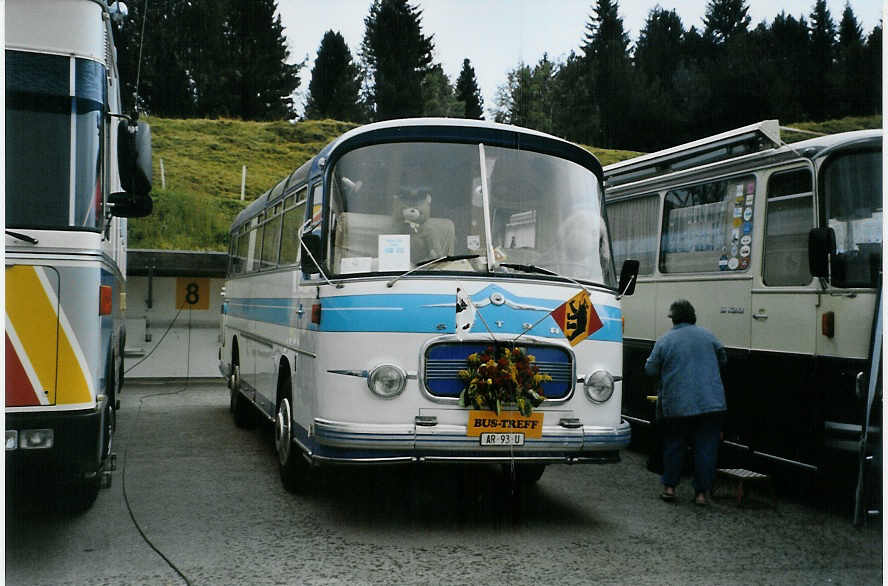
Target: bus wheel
(79, 496)
(244, 416)
(293, 467)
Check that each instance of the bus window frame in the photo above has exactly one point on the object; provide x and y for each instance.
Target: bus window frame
(820, 211)
(806, 166)
(659, 196)
(664, 193)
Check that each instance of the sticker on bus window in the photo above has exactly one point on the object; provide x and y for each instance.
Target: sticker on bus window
(394, 252)
(747, 214)
(357, 264)
(473, 242)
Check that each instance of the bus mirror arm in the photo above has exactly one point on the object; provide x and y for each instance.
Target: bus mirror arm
(628, 278)
(821, 245)
(311, 244)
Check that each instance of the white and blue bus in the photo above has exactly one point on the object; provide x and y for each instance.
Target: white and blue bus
(76, 167)
(339, 313)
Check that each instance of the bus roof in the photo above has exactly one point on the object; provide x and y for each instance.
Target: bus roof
(683, 160)
(420, 129)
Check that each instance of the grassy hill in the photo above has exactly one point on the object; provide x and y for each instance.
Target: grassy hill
(203, 162)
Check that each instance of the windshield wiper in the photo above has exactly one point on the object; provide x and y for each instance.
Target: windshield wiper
(21, 236)
(544, 271)
(429, 262)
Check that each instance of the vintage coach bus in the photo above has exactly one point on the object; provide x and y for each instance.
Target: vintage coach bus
(339, 316)
(75, 168)
(736, 223)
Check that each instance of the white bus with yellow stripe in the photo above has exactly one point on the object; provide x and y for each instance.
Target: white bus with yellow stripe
(75, 168)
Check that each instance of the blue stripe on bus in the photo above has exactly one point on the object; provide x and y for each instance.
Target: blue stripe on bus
(420, 313)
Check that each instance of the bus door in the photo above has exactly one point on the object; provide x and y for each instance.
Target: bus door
(850, 202)
(783, 313)
(32, 331)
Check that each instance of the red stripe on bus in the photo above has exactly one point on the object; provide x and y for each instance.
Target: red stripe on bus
(19, 392)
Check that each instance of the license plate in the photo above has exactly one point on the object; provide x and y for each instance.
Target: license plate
(502, 439)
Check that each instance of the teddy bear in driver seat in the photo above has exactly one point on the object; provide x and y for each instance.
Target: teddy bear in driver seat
(429, 237)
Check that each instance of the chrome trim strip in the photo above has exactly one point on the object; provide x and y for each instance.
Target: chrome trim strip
(366, 373)
(368, 461)
(786, 461)
(495, 459)
(635, 419)
(735, 445)
(269, 342)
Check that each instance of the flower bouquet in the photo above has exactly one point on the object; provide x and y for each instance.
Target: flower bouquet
(499, 376)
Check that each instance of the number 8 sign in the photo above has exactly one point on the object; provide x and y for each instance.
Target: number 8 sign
(192, 293)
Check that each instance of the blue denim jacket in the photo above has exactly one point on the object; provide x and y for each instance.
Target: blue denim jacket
(686, 359)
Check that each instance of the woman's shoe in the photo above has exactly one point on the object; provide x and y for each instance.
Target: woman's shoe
(700, 499)
(668, 495)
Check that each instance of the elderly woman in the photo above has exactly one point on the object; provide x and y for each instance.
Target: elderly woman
(691, 401)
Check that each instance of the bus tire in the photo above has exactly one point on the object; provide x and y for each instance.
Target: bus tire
(79, 496)
(293, 468)
(241, 409)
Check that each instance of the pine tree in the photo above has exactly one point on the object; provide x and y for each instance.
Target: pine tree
(396, 56)
(437, 94)
(468, 94)
(787, 66)
(606, 52)
(527, 98)
(659, 48)
(850, 66)
(724, 19)
(262, 82)
(574, 115)
(872, 80)
(163, 84)
(334, 89)
(822, 59)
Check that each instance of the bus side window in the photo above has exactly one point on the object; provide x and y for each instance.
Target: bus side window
(790, 216)
(633, 223)
(271, 243)
(708, 227)
(294, 216)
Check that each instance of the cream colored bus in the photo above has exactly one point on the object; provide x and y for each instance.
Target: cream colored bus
(741, 225)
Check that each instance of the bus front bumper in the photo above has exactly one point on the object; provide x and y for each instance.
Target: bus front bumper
(74, 453)
(342, 442)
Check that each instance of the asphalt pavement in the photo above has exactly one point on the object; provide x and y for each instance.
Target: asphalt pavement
(197, 500)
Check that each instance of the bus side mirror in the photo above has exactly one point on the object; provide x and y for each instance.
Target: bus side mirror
(134, 163)
(311, 247)
(628, 277)
(126, 205)
(821, 244)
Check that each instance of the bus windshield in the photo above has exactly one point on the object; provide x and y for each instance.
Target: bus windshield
(396, 205)
(49, 132)
(852, 206)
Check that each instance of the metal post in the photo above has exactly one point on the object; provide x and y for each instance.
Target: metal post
(243, 181)
(163, 183)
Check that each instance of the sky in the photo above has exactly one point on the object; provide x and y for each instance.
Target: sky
(498, 35)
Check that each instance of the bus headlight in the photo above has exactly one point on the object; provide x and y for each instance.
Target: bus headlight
(599, 386)
(36, 439)
(387, 380)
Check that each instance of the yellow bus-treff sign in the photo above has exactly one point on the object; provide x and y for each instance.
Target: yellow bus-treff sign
(506, 422)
